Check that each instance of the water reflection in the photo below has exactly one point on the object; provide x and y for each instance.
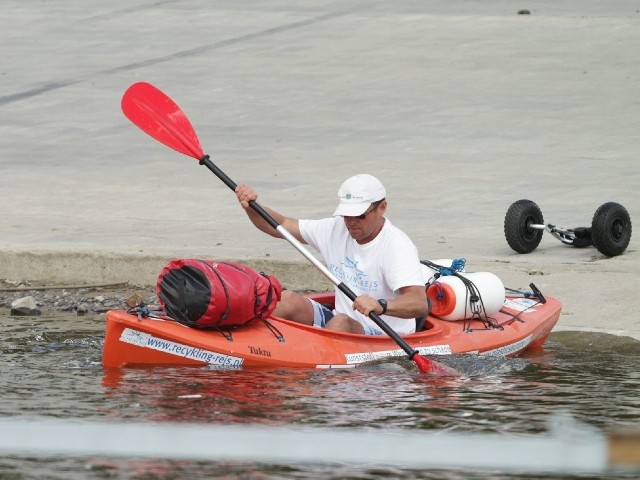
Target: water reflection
(224, 396)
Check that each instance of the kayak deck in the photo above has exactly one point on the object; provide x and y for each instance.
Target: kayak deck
(129, 341)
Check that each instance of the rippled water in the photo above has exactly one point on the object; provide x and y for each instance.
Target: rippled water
(50, 366)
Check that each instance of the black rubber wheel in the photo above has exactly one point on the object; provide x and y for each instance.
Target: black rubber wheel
(520, 236)
(611, 229)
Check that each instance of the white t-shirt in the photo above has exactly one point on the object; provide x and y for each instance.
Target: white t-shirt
(379, 268)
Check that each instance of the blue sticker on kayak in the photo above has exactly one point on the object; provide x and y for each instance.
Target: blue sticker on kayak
(146, 340)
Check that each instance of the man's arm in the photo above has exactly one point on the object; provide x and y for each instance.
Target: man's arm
(247, 194)
(411, 302)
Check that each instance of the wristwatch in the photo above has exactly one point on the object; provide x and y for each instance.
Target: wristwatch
(383, 304)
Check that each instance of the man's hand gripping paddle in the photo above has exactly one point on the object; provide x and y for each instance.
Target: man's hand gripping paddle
(159, 116)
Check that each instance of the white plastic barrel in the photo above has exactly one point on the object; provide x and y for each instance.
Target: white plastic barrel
(450, 299)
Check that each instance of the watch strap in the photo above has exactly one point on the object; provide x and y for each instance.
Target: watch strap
(383, 304)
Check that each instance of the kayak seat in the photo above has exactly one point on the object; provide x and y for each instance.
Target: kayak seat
(421, 322)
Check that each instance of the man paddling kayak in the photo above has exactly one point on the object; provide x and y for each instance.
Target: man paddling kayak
(365, 251)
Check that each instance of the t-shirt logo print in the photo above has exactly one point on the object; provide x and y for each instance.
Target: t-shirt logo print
(356, 278)
(348, 263)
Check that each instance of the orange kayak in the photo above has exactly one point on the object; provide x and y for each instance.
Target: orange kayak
(521, 323)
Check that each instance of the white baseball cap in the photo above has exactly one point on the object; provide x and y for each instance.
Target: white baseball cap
(357, 193)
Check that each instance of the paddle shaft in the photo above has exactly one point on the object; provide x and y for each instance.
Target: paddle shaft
(206, 161)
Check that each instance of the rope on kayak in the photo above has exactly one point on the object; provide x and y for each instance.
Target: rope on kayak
(457, 265)
(535, 293)
(478, 311)
(143, 311)
(274, 331)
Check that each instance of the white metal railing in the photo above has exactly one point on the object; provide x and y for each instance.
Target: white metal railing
(568, 447)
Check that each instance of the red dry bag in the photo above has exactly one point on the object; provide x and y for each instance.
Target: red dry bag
(210, 294)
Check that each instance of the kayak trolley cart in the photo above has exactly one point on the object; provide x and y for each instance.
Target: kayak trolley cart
(610, 230)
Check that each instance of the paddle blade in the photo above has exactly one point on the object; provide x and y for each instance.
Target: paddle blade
(432, 367)
(159, 116)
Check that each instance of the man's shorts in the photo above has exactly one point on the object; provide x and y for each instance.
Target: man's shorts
(321, 315)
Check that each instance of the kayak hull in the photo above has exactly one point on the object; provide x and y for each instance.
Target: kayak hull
(132, 342)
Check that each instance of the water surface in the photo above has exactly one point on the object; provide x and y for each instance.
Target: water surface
(50, 367)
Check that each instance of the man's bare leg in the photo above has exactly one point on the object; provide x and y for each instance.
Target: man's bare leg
(342, 323)
(298, 308)
(295, 307)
